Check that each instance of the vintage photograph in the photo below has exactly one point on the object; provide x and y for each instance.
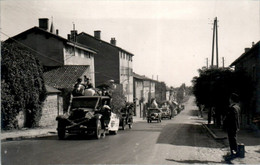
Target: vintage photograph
(130, 82)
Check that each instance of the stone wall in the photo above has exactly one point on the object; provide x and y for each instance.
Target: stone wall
(50, 110)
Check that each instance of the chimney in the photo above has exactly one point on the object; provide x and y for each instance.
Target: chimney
(247, 49)
(44, 23)
(97, 34)
(69, 37)
(57, 31)
(113, 41)
(253, 43)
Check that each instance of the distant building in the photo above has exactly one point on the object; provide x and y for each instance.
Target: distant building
(54, 51)
(111, 61)
(249, 62)
(144, 90)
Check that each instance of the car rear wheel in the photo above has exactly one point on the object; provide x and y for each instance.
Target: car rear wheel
(98, 130)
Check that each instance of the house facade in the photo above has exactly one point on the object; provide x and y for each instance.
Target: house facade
(54, 51)
(111, 62)
(249, 62)
(144, 91)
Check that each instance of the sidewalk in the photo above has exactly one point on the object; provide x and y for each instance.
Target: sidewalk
(37, 132)
(249, 138)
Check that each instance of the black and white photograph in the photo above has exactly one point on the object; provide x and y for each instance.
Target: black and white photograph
(130, 82)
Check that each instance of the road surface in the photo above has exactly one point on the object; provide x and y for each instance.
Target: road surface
(181, 140)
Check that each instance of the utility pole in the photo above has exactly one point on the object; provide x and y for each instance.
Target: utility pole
(74, 38)
(207, 63)
(216, 41)
(223, 62)
(215, 32)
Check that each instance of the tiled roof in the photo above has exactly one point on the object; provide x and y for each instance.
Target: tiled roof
(245, 54)
(37, 29)
(99, 40)
(65, 76)
(51, 90)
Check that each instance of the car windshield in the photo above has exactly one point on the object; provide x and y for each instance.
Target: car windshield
(84, 102)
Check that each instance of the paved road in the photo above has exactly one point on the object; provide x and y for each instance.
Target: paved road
(180, 140)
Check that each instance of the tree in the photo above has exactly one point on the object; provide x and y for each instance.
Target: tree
(22, 86)
(181, 93)
(213, 87)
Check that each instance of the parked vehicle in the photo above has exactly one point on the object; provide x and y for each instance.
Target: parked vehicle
(166, 113)
(154, 114)
(88, 115)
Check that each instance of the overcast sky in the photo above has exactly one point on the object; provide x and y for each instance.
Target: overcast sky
(170, 39)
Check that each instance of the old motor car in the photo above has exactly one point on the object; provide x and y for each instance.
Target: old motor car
(87, 115)
(154, 114)
(166, 113)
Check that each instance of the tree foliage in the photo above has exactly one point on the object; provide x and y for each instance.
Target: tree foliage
(180, 93)
(22, 86)
(213, 87)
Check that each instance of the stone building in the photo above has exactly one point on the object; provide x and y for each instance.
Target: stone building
(249, 62)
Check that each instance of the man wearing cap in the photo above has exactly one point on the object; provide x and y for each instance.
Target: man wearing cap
(232, 123)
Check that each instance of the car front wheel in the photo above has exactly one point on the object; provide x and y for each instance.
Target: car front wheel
(98, 130)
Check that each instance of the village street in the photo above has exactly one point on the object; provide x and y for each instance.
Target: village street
(180, 140)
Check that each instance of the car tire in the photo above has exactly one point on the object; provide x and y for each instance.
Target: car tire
(61, 133)
(98, 130)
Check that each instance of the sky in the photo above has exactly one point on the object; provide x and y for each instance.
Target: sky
(170, 39)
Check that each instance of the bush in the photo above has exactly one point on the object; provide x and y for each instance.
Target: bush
(22, 86)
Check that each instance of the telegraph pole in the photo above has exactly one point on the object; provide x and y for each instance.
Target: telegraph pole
(215, 32)
(213, 43)
(223, 62)
(216, 41)
(207, 62)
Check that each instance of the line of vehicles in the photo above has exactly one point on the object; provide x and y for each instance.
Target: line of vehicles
(157, 114)
(92, 115)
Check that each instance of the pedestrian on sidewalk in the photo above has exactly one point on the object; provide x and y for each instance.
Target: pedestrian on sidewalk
(232, 123)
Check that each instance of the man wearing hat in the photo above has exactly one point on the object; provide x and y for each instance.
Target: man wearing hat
(232, 123)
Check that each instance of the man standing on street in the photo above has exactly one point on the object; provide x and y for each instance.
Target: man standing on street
(232, 123)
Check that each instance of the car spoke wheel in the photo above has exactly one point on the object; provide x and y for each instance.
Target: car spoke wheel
(98, 130)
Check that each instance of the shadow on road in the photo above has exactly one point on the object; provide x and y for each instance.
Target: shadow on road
(194, 161)
(186, 135)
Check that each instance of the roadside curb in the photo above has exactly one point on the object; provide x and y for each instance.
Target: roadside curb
(212, 133)
(28, 137)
